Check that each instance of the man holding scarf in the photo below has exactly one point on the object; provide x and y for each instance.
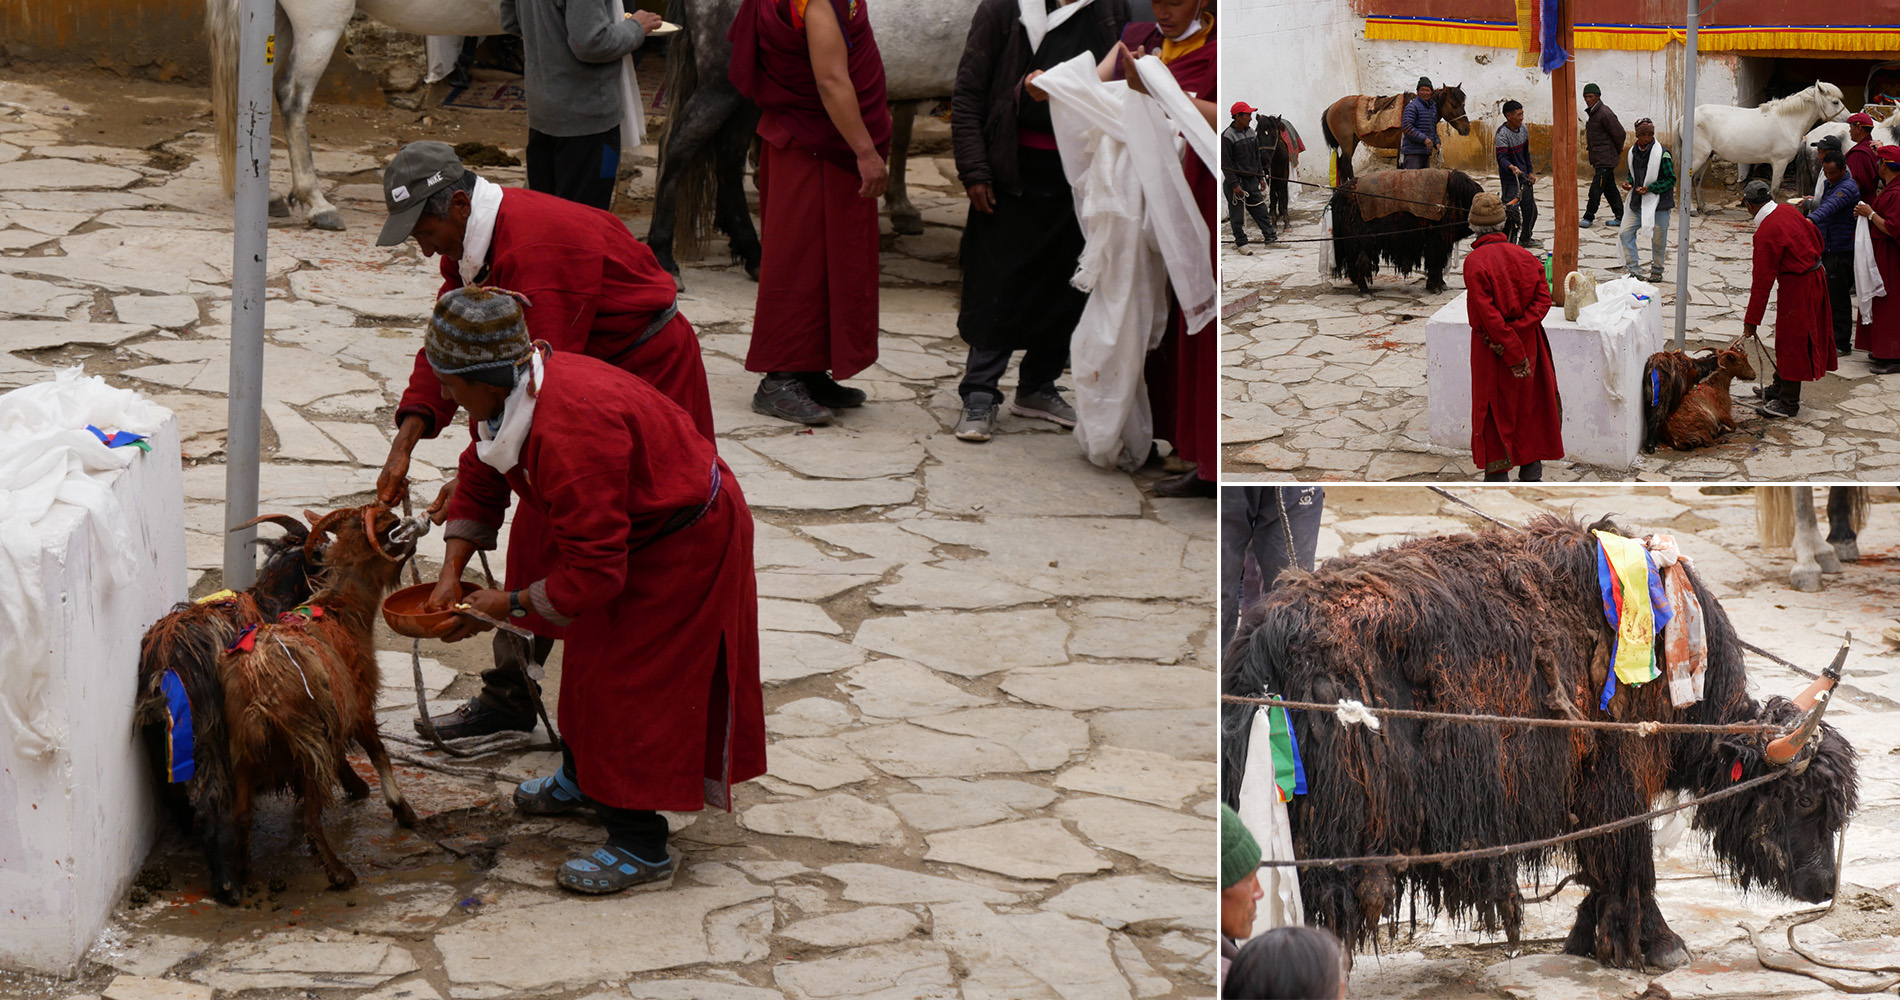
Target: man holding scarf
(814, 70)
(1788, 252)
(661, 706)
(1652, 183)
(1879, 335)
(597, 291)
(1022, 240)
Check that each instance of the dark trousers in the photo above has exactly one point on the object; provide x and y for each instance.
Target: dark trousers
(506, 687)
(1788, 392)
(1518, 218)
(1530, 472)
(1250, 525)
(1251, 203)
(579, 168)
(984, 371)
(1414, 161)
(1840, 294)
(640, 832)
(1603, 185)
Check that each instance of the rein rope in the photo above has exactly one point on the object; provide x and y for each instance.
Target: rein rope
(1645, 729)
(1797, 919)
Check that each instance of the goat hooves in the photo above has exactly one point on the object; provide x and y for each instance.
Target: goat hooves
(344, 879)
(329, 219)
(405, 813)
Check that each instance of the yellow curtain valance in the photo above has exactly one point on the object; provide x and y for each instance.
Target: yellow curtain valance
(1646, 38)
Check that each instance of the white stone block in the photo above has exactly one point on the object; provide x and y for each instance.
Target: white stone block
(75, 827)
(1599, 376)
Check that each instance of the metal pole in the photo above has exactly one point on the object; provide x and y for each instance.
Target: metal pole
(246, 399)
(1685, 185)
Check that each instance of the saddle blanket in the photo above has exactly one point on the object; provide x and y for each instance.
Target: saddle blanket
(1420, 193)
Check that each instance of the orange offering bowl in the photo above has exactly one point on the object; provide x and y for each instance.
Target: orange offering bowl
(407, 614)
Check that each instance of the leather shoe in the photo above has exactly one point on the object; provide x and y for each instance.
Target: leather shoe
(1187, 484)
(827, 392)
(476, 718)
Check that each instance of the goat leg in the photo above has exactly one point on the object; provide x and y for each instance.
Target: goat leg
(241, 828)
(372, 744)
(341, 877)
(353, 784)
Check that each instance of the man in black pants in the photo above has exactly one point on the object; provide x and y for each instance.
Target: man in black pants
(572, 49)
(1241, 167)
(1515, 180)
(1833, 215)
(1605, 137)
(1250, 524)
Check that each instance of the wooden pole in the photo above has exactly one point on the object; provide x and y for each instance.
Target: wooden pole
(1563, 156)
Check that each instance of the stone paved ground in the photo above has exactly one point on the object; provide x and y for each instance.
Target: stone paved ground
(1321, 382)
(1441, 961)
(987, 668)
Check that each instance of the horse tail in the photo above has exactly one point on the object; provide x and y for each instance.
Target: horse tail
(692, 225)
(1326, 128)
(221, 23)
(1857, 507)
(1774, 515)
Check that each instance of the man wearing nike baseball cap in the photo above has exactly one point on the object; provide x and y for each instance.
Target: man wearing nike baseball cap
(590, 288)
(1241, 169)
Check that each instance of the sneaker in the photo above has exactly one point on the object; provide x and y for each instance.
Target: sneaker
(1044, 404)
(1775, 409)
(1616, 223)
(1843, 351)
(1243, 249)
(1656, 276)
(1586, 222)
(979, 418)
(828, 393)
(788, 399)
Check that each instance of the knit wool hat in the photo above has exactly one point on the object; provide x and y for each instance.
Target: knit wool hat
(1239, 852)
(1487, 209)
(1423, 82)
(1591, 88)
(477, 330)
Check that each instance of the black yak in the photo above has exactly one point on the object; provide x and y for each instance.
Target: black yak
(1512, 623)
(1403, 217)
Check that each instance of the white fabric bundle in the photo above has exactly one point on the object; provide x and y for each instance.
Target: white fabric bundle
(48, 458)
(1648, 201)
(1264, 815)
(633, 114)
(1868, 285)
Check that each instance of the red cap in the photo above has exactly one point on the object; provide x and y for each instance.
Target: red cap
(1861, 118)
(1243, 108)
(1890, 154)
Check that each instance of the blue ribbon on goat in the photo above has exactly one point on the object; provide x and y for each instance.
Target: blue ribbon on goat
(179, 744)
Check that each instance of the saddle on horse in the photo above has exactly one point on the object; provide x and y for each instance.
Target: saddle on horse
(1375, 114)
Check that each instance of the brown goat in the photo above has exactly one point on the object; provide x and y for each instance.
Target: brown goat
(298, 691)
(1706, 411)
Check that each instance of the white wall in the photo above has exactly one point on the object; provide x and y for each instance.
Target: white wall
(1291, 58)
(76, 827)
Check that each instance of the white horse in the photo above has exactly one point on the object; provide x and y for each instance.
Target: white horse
(1808, 161)
(1784, 516)
(1768, 134)
(307, 33)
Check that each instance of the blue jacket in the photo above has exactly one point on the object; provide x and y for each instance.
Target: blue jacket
(1834, 216)
(1418, 129)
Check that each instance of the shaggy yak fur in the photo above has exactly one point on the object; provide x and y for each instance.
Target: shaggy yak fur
(282, 715)
(1512, 623)
(1667, 378)
(1706, 411)
(1401, 239)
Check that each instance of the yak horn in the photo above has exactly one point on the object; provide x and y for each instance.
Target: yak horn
(1814, 702)
(290, 524)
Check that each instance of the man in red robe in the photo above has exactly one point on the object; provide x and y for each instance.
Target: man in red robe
(596, 291)
(661, 706)
(1879, 336)
(1788, 251)
(815, 73)
(1516, 413)
(1861, 155)
(1183, 373)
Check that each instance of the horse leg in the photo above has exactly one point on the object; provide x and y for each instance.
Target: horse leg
(279, 207)
(905, 219)
(1776, 169)
(1809, 563)
(372, 744)
(1840, 523)
(296, 84)
(731, 213)
(705, 112)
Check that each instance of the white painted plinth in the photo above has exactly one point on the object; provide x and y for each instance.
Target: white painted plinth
(1599, 375)
(75, 827)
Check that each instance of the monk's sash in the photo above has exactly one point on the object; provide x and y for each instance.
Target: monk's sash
(771, 65)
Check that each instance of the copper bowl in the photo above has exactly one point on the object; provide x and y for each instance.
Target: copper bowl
(405, 611)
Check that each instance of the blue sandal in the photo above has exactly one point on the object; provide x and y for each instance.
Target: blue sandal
(549, 796)
(611, 869)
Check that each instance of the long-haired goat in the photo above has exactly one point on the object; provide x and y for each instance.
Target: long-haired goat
(1706, 411)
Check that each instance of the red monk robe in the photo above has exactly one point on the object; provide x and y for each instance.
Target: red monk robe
(818, 274)
(594, 290)
(1514, 421)
(1183, 373)
(660, 696)
(1788, 248)
(1880, 335)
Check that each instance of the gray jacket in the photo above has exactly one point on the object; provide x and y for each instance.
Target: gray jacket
(572, 49)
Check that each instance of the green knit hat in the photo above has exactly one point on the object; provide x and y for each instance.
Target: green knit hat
(476, 332)
(1591, 88)
(1423, 82)
(1239, 852)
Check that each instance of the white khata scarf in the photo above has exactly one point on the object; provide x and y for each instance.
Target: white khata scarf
(484, 205)
(1038, 22)
(500, 447)
(1648, 215)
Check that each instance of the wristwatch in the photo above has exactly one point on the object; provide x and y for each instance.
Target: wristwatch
(515, 610)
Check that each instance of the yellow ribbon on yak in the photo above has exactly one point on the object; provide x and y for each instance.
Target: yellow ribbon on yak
(1624, 574)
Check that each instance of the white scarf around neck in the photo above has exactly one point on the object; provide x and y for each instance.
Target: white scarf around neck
(1646, 217)
(1038, 22)
(484, 205)
(501, 448)
(1761, 214)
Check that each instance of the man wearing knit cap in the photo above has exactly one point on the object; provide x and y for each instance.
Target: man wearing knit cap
(1239, 883)
(1860, 155)
(596, 291)
(1418, 129)
(1788, 253)
(1604, 136)
(661, 707)
(1516, 415)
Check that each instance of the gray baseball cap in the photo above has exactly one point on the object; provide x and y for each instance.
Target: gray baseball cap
(1755, 191)
(419, 170)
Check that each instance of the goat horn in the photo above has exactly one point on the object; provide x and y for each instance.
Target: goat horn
(319, 527)
(369, 528)
(290, 524)
(1814, 702)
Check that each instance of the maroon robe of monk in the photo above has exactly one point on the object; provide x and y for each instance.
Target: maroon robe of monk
(1788, 250)
(1860, 164)
(818, 273)
(1514, 421)
(595, 290)
(660, 697)
(1183, 373)
(1880, 335)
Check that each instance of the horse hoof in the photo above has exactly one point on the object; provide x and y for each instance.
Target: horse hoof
(907, 225)
(279, 208)
(345, 879)
(405, 813)
(752, 270)
(1807, 581)
(329, 219)
(1848, 551)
